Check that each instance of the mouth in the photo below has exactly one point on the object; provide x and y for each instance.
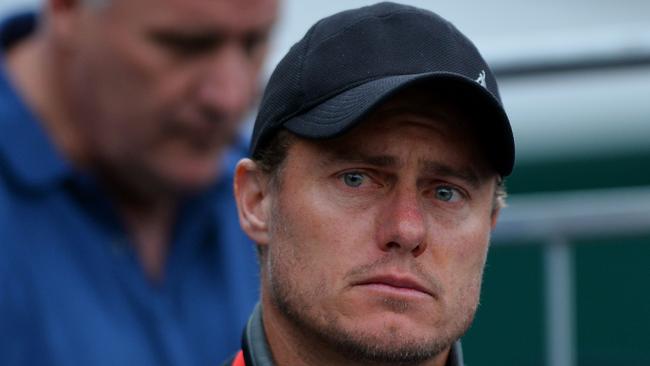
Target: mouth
(396, 285)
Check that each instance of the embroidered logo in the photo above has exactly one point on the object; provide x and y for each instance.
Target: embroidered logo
(481, 79)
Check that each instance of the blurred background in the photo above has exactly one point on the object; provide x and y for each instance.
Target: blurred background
(567, 279)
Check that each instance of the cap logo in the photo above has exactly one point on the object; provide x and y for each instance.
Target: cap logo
(481, 79)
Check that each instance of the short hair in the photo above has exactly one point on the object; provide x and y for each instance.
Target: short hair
(270, 157)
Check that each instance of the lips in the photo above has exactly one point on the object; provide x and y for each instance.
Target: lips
(397, 283)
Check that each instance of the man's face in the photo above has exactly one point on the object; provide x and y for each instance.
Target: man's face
(378, 239)
(160, 86)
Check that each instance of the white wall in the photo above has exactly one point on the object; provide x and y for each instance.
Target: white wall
(8, 6)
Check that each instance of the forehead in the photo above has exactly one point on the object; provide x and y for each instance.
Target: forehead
(225, 16)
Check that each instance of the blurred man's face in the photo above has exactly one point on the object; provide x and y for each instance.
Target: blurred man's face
(378, 239)
(161, 86)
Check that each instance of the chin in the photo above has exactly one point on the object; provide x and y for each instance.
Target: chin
(404, 324)
(389, 341)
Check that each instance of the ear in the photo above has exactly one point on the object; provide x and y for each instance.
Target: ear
(253, 200)
(494, 216)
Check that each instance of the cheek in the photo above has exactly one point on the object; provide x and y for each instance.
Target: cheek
(471, 252)
(135, 73)
(469, 261)
(459, 267)
(461, 253)
(123, 89)
(316, 236)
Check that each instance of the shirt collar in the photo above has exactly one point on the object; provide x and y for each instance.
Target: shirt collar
(257, 353)
(25, 149)
(254, 344)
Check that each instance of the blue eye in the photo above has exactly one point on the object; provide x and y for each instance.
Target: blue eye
(353, 179)
(446, 194)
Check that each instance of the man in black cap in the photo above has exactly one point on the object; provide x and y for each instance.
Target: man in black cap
(375, 180)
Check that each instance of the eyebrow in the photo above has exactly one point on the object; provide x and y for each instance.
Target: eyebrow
(196, 38)
(348, 156)
(465, 174)
(183, 31)
(430, 167)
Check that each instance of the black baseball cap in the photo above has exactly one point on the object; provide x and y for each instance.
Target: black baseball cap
(351, 62)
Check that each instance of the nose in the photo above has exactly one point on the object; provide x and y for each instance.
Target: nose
(227, 86)
(402, 227)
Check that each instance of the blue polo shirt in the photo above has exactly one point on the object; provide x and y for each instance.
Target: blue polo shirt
(72, 291)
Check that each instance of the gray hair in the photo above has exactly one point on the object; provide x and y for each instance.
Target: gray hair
(97, 4)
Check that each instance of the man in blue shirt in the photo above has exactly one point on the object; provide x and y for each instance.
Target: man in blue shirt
(119, 242)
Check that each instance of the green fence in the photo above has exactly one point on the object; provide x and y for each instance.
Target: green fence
(605, 291)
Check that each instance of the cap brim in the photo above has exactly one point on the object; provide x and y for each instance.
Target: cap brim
(345, 110)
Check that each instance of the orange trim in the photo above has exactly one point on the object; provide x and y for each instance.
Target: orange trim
(239, 359)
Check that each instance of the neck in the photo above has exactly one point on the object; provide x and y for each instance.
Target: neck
(292, 346)
(150, 226)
